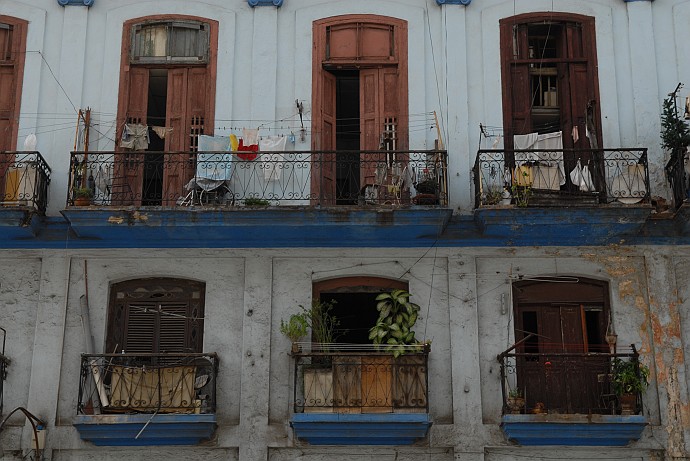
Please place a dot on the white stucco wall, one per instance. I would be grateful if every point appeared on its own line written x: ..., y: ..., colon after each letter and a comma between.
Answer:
x: 264, y: 64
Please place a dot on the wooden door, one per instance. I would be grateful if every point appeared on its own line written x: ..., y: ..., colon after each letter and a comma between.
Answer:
x: 127, y: 185
x: 176, y: 165
x: 324, y: 164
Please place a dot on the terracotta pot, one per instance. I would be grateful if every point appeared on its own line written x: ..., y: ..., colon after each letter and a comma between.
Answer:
x: 628, y: 404
x: 82, y: 201
x: 516, y: 404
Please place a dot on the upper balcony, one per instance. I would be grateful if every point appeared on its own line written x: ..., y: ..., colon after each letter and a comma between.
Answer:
x: 354, y: 394
x: 527, y: 190
x: 219, y: 196
x: 24, y: 179
x: 147, y: 399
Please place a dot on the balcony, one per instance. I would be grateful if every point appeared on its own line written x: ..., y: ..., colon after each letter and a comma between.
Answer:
x: 147, y: 399
x: 355, y: 395
x: 567, y: 399
x: 589, y: 193
x: 304, y: 197
x: 24, y: 179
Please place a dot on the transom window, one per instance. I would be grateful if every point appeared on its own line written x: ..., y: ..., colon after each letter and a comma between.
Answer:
x: 170, y: 42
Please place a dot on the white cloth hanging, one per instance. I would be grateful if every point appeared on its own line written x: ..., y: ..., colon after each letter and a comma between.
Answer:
x: 273, y: 164
x: 250, y: 136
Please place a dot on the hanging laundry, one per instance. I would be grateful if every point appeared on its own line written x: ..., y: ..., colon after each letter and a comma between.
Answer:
x: 135, y: 136
x: 582, y: 178
x: 575, y: 134
x: 524, y: 141
x: 212, y: 163
x: 247, y: 152
x: 234, y: 143
x: 250, y: 136
x: 554, y: 143
x: 161, y: 131
x: 273, y: 164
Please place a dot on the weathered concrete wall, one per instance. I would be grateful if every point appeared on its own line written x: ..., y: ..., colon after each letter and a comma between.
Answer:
x: 249, y: 291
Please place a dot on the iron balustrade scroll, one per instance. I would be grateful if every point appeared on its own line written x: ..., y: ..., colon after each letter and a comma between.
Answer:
x: 4, y: 364
x: 561, y: 177
x: 361, y: 382
x: 562, y: 382
x: 148, y: 383
x: 24, y: 180
x: 222, y: 178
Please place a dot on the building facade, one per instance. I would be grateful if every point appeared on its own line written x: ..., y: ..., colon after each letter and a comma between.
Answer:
x: 241, y: 159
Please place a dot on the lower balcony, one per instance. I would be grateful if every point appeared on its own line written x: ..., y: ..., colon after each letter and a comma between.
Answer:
x: 563, y: 398
x: 147, y: 399
x: 354, y: 396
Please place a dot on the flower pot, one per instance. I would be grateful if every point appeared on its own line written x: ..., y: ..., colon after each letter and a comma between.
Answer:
x: 82, y: 201
x: 628, y: 404
x: 515, y: 404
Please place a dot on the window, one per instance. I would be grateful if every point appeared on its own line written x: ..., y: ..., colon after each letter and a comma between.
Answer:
x: 549, y: 76
x: 355, y: 303
x: 155, y: 316
x: 170, y: 42
x: 560, y: 325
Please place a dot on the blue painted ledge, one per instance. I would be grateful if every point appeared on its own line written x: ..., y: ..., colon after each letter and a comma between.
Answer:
x: 19, y: 223
x: 559, y: 226
x: 573, y: 430
x: 121, y: 430
x: 360, y: 429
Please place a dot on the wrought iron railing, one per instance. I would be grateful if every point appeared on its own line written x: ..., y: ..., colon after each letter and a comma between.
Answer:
x: 677, y: 177
x: 147, y: 383
x: 562, y: 382
x: 306, y: 178
x: 339, y: 379
x: 24, y: 179
x: 560, y: 177
x: 4, y: 363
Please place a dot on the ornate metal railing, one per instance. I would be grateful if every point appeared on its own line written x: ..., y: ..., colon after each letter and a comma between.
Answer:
x: 147, y: 383
x: 24, y: 179
x: 678, y: 178
x: 331, y: 380
x: 306, y: 178
x: 4, y: 363
x: 562, y: 383
x: 561, y: 177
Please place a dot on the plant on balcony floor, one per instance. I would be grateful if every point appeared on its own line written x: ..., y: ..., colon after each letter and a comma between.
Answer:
x: 83, y: 196
x: 515, y: 401
x: 629, y: 379
x: 397, y: 316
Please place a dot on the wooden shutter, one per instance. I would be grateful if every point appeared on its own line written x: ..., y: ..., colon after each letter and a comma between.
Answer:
x: 176, y: 165
x: 12, y: 55
x: 324, y: 165
x: 156, y: 315
x: 129, y: 165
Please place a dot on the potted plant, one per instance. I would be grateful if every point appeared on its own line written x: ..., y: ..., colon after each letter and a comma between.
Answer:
x: 393, y: 330
x: 515, y: 401
x: 317, y: 375
x: 83, y: 196
x: 629, y: 379
x: 397, y: 316
x: 294, y: 329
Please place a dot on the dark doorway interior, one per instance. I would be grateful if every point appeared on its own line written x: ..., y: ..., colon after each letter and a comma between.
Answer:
x: 357, y: 314
x: 152, y: 194
x: 347, y: 136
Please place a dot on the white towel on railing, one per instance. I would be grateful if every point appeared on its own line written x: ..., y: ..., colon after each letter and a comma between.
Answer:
x: 273, y: 164
x: 552, y: 142
x: 211, y: 163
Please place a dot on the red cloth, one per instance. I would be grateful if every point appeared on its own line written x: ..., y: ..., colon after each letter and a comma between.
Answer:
x: 251, y: 149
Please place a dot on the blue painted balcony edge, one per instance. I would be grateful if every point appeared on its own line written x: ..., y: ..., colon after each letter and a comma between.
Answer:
x: 573, y: 430
x: 361, y: 429
x: 122, y: 430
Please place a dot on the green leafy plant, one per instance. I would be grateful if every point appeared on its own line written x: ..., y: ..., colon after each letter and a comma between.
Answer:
x: 494, y: 195
x: 629, y: 377
x: 515, y: 393
x: 83, y: 192
x: 675, y: 134
x: 397, y: 316
x: 256, y: 202
x: 295, y: 328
